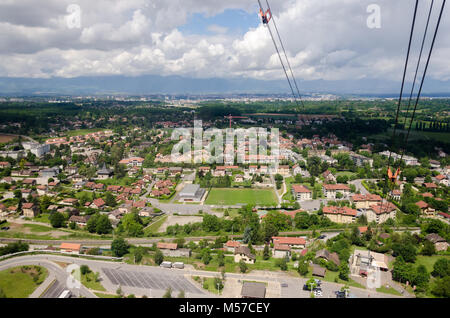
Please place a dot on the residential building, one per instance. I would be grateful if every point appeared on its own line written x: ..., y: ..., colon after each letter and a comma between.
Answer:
x: 381, y: 212
x: 29, y: 210
x: 364, y: 201
x: 425, y: 208
x: 292, y: 242
x: 243, y: 253
x: 439, y: 243
x: 340, y: 214
x: 330, y: 190
x: 301, y: 192
x: 70, y: 248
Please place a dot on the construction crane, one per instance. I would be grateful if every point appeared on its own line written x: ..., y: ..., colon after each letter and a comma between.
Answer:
x: 231, y: 117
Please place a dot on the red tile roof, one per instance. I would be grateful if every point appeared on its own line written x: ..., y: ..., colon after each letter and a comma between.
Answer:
x: 339, y: 210
x: 298, y: 188
x: 288, y: 240
x: 338, y: 186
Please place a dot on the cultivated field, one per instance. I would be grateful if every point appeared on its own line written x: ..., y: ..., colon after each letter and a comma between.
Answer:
x: 241, y: 196
x: 6, y: 138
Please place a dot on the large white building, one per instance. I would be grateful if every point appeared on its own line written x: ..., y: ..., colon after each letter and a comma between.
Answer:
x: 36, y: 149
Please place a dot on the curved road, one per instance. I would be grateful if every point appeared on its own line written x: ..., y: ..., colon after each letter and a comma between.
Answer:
x: 55, y: 272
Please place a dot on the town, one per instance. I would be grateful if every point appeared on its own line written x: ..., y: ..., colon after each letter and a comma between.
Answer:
x: 324, y: 222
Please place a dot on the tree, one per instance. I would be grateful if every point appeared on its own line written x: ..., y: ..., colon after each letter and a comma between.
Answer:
x: 282, y: 263
x: 266, y: 253
x: 119, y: 247
x: 211, y: 223
x: 220, y: 258
x: 57, y: 219
x: 110, y: 200
x: 441, y: 268
x: 428, y: 248
x: 84, y: 269
x: 243, y: 266
x: 442, y: 287
x: 344, y: 271
x: 181, y: 294
x: 303, y: 267
x: 206, y: 256
x: 138, y: 254
x: 158, y: 257
x: 103, y: 225
x: 422, y: 277
x: 407, y: 251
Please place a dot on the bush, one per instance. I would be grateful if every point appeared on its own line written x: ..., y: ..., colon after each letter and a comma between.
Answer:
x: 159, y: 257
x: 119, y: 247
x: 84, y: 269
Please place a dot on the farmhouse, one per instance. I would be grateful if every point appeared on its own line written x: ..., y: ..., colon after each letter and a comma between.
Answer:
x: 243, y: 253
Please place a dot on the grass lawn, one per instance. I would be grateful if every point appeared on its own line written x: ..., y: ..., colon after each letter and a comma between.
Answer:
x: 345, y: 173
x: 428, y: 261
x: 88, y: 280
x: 82, y: 132
x: 244, y: 196
x: 390, y: 290
x: 101, y: 295
x: 38, y: 228
x: 20, y: 282
x: 43, y: 218
x: 155, y: 225
x: 209, y: 283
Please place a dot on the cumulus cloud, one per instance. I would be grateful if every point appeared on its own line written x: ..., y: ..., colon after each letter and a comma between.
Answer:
x: 324, y: 39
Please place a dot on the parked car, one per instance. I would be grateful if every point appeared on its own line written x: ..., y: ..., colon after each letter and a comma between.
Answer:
x: 5, y: 228
x: 322, y: 237
x: 166, y: 264
x: 306, y: 287
x: 340, y: 294
x: 318, y: 281
x: 284, y: 285
x: 318, y: 293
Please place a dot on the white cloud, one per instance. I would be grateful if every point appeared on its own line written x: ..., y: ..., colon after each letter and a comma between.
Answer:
x: 325, y: 39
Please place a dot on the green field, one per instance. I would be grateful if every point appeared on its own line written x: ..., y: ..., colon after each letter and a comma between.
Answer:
x: 241, y: 196
x: 18, y: 282
x: 428, y: 261
x: 82, y: 132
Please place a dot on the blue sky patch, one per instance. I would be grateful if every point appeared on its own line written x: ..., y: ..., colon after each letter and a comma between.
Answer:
x: 232, y: 22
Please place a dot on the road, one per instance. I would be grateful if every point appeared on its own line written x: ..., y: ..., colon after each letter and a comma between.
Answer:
x: 55, y: 272
x: 153, y: 281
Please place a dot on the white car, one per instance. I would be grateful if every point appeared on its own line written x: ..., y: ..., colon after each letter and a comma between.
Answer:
x: 318, y: 293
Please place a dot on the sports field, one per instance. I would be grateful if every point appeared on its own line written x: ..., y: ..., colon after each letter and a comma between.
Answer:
x: 241, y: 196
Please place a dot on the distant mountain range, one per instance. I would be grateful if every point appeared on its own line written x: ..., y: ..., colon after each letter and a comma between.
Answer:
x: 154, y: 84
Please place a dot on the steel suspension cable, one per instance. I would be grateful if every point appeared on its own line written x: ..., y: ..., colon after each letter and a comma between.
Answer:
x: 418, y: 64
x: 289, y: 64
x: 279, y: 56
x: 424, y: 74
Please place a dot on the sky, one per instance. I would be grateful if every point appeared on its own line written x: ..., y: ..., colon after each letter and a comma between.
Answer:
x: 324, y: 39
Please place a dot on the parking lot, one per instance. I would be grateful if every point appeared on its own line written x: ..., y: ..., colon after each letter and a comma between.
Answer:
x: 150, y: 281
